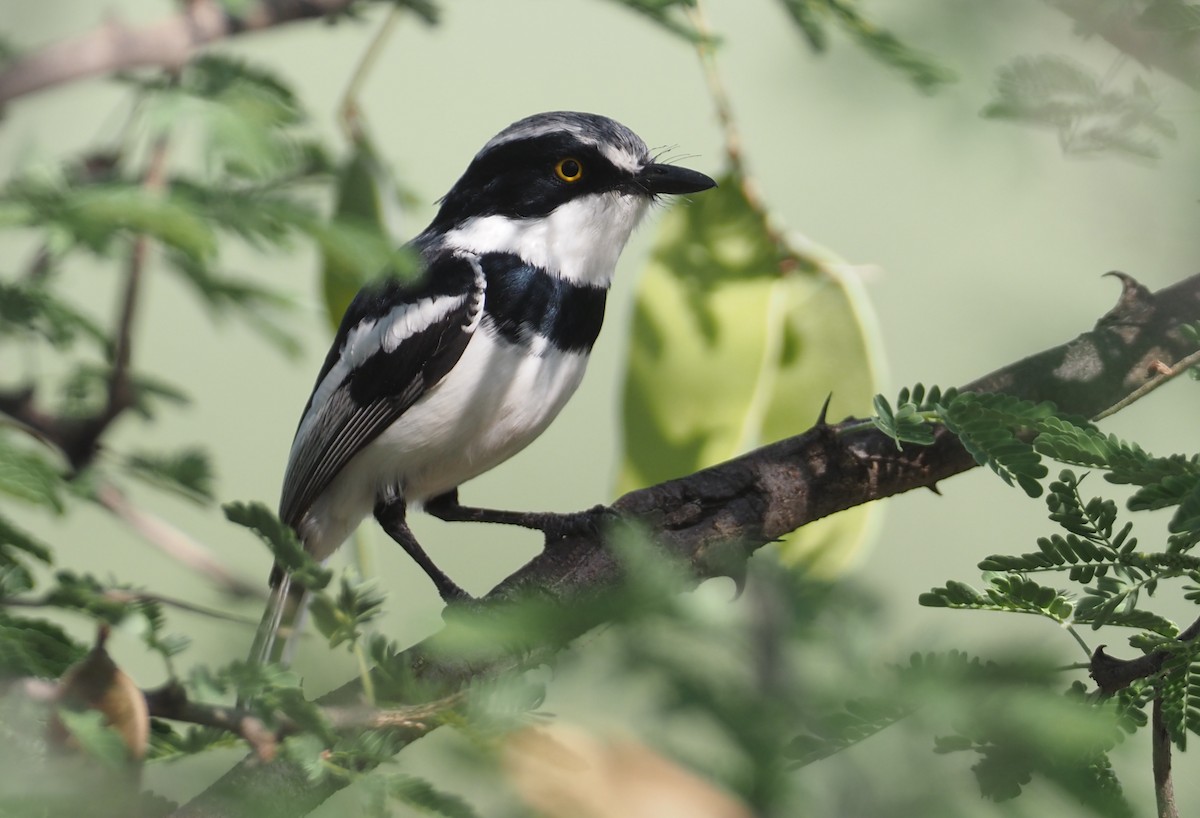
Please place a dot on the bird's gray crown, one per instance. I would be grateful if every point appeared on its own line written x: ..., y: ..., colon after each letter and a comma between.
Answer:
x: 621, y: 146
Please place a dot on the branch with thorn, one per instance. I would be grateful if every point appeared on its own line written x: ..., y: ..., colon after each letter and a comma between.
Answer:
x: 711, y: 522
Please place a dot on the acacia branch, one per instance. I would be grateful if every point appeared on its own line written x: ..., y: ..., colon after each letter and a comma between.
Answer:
x: 171, y: 702
x: 168, y: 43
x: 711, y: 521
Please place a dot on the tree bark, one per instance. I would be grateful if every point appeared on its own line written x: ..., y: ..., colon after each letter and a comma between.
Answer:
x: 710, y: 522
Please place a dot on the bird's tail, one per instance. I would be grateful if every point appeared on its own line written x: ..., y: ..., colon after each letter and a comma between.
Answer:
x: 284, y: 615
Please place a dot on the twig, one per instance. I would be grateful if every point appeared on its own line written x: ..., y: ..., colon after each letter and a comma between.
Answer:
x: 1160, y: 738
x: 120, y: 389
x: 122, y: 596
x: 706, y: 50
x: 414, y: 717
x: 171, y: 702
x: 349, y: 114
x: 79, y: 438
x: 171, y: 541
x: 1161, y: 376
x: 168, y: 43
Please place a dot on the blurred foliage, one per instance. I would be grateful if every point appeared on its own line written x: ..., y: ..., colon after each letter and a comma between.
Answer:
x: 1088, y: 114
x: 765, y: 696
x: 814, y: 18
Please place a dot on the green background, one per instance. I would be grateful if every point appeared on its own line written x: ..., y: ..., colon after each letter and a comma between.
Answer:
x: 978, y: 240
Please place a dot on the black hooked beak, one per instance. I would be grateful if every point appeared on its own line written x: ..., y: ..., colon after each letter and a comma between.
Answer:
x: 655, y: 179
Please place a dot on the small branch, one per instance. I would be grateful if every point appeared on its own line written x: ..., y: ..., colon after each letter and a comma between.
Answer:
x: 79, y: 438
x: 1163, y: 374
x: 706, y: 50
x: 349, y: 113
x: 1160, y: 737
x: 124, y: 597
x: 420, y: 717
x: 171, y: 702
x: 168, y: 43
x: 174, y: 543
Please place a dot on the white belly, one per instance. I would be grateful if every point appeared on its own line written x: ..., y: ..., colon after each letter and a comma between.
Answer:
x: 492, y: 404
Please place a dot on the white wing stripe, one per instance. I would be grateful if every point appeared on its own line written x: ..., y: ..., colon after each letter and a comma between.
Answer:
x: 371, y: 337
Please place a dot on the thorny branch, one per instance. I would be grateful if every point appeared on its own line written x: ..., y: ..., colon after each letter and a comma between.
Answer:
x: 1112, y: 674
x: 713, y: 520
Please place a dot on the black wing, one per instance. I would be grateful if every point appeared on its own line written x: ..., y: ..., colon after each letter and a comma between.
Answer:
x: 395, y: 342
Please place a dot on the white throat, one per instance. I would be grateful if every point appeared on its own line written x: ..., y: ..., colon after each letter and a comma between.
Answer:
x: 580, y: 241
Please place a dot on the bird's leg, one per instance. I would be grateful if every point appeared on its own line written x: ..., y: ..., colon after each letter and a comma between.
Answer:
x: 554, y: 524
x: 391, y: 516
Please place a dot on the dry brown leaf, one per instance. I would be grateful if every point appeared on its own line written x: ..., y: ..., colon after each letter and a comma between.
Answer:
x: 95, y: 682
x: 565, y: 772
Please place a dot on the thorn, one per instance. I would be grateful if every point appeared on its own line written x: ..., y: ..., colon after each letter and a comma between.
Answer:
x: 1133, y: 304
x: 934, y: 488
x: 821, y: 418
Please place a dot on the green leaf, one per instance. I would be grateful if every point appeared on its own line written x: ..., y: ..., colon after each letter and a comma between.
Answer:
x: 282, y: 541
x: 187, y: 472
x: 367, y: 198
x: 1187, y: 518
x: 1008, y: 592
x: 341, y: 618
x: 835, y: 731
x: 12, y: 537
x: 249, y: 115
x: 308, y: 752
x: 27, y: 307
x: 262, y: 309
x: 666, y: 13
x: 991, y: 427
x: 35, y: 647
x: 26, y: 475
x: 93, y: 215
x: 814, y: 17
x: 99, y: 740
x: 811, y: 19
x: 922, y: 70
x: 358, y: 252
x: 424, y: 797
x: 738, y: 339
x: 908, y: 423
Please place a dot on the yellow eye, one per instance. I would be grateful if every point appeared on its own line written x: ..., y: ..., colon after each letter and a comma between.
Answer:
x: 569, y: 170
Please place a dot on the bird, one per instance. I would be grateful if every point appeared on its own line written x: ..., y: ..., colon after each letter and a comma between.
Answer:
x: 432, y: 381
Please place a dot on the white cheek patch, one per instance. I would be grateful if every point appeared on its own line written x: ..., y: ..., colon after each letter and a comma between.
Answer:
x: 580, y: 241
